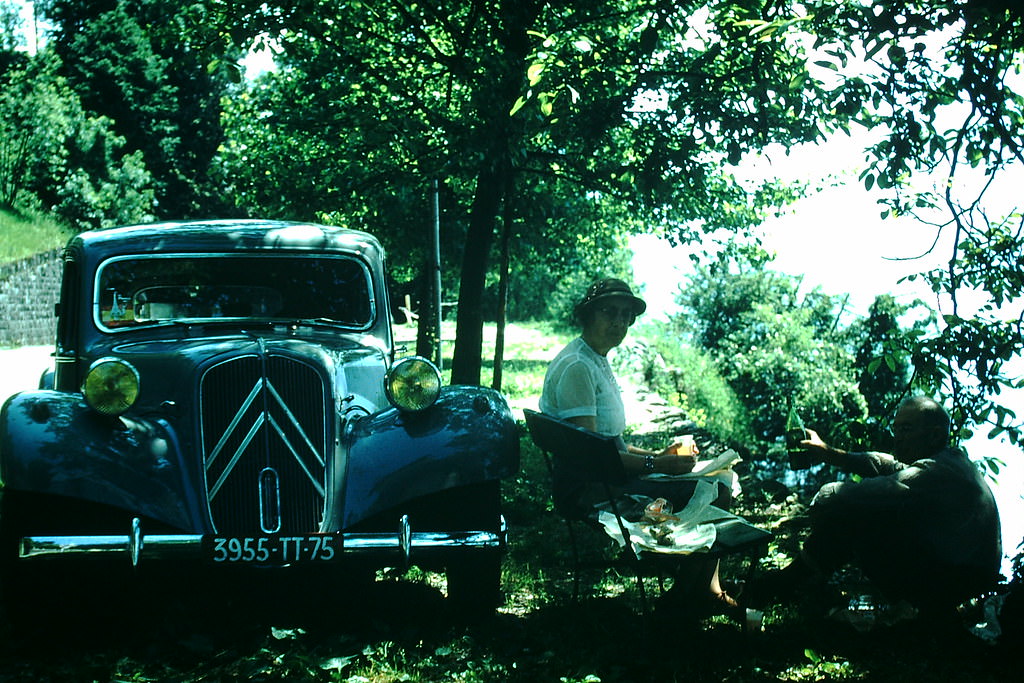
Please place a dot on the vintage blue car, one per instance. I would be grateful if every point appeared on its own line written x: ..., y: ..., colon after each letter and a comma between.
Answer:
x: 228, y: 394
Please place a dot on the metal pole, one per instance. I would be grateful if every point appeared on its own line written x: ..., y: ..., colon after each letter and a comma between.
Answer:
x: 437, y: 277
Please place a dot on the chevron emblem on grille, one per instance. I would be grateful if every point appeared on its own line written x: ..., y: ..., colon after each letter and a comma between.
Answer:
x: 276, y: 417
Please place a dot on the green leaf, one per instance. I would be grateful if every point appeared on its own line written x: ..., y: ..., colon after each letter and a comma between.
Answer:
x: 517, y: 106
x: 337, y: 664
x: 873, y: 49
x: 286, y: 633
x: 533, y: 73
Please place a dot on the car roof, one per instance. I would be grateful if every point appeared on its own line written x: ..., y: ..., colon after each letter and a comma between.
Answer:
x: 226, y: 236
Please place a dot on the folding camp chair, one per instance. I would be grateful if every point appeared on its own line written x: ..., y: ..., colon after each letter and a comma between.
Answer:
x: 594, y: 458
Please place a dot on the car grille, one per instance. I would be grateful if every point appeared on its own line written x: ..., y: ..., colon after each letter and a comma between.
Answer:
x: 264, y: 427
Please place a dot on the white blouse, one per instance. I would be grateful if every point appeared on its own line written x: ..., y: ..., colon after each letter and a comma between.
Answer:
x: 579, y: 383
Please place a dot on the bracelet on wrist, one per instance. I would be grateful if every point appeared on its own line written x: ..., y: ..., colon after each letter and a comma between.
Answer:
x: 648, y: 462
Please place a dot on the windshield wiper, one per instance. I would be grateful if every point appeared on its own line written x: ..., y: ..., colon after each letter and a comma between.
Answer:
x: 250, y: 323
x: 318, y: 322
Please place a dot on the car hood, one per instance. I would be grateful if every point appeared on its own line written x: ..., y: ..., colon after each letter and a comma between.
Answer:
x: 170, y: 370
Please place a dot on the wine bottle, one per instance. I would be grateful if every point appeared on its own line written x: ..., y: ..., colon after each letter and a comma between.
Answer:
x: 799, y: 458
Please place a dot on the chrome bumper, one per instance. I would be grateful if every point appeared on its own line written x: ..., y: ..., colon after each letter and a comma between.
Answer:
x: 136, y: 546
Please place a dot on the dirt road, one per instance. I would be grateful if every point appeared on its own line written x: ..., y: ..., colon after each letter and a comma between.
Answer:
x: 21, y: 368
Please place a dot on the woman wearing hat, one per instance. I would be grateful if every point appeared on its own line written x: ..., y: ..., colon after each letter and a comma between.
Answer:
x: 580, y: 387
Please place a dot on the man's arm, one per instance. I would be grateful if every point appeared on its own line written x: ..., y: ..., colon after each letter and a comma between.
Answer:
x: 870, y: 464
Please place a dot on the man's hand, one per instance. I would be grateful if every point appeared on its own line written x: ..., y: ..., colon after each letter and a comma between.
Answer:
x: 817, y: 448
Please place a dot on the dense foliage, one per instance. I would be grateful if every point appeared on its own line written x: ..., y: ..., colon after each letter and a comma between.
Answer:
x: 749, y: 348
x: 127, y: 62
x: 554, y: 130
x: 56, y: 155
x: 939, y: 86
x: 643, y: 104
x: 537, y: 116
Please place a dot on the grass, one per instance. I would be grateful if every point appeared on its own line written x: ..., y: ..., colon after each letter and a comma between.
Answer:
x: 24, y: 235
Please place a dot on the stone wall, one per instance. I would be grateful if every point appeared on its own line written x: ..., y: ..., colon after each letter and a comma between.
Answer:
x: 29, y: 290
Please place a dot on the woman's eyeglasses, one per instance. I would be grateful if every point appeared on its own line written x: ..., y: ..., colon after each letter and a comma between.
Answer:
x: 618, y: 313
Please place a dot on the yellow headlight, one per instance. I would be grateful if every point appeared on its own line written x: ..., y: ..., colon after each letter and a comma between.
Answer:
x: 111, y: 386
x: 413, y: 384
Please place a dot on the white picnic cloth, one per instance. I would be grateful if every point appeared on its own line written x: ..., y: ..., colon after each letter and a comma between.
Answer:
x: 691, y: 531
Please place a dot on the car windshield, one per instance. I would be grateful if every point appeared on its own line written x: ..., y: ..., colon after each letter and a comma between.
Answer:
x: 148, y: 290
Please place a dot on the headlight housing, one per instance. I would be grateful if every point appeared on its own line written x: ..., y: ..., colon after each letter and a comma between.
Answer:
x: 413, y: 384
x: 111, y: 386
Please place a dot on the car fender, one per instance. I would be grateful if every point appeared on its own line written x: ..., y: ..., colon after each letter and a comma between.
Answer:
x: 53, y: 443
x: 467, y: 437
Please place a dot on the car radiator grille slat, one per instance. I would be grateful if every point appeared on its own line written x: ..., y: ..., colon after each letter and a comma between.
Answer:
x: 264, y: 412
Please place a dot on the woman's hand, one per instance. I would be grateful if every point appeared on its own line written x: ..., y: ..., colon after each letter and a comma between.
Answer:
x: 674, y: 464
x: 666, y: 462
x: 677, y: 447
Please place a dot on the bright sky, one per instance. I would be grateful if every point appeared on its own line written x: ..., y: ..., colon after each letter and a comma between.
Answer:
x: 258, y: 62
x: 837, y: 240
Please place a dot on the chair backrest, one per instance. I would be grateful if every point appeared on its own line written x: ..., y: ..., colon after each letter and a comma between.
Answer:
x: 589, y: 456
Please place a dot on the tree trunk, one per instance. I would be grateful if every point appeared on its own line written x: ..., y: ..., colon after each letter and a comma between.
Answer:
x: 428, y: 332
x: 426, y: 322
x: 469, y: 332
x: 499, y: 332
x: 516, y: 17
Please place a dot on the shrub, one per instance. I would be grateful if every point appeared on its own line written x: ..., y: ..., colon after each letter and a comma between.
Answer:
x: 686, y: 377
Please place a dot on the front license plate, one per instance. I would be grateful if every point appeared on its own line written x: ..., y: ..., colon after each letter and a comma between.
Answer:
x: 272, y: 549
